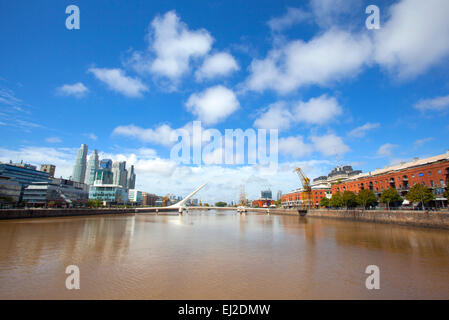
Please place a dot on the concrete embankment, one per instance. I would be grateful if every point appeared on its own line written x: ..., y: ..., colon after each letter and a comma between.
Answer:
x: 45, y: 213
x: 430, y: 219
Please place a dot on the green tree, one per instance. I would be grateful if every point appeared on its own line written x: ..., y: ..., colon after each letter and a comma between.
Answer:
x: 419, y: 193
x: 390, y: 195
x: 366, y: 197
x: 349, y: 199
x: 220, y: 204
x: 336, y: 200
x: 325, y: 202
x: 278, y: 203
x: 446, y: 194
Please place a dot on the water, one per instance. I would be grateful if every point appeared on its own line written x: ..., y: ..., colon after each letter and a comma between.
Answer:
x: 219, y: 255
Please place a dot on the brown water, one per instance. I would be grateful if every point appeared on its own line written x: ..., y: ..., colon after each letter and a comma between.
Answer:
x: 219, y: 256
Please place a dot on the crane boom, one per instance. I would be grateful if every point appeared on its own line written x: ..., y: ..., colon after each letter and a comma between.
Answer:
x: 306, y: 189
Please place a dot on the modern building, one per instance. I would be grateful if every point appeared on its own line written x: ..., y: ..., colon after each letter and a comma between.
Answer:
x: 79, y: 169
x: 279, y: 195
x: 149, y: 199
x: 49, y: 168
x: 58, y: 192
x: 10, y: 191
x: 120, y: 173
x: 109, y: 193
x: 23, y: 173
x: 103, y: 176
x: 266, y: 194
x: 92, y: 166
x: 106, y: 164
x: 135, y: 196
x: 131, y: 178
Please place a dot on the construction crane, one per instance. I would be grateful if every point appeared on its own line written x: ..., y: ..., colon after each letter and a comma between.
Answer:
x: 306, y: 189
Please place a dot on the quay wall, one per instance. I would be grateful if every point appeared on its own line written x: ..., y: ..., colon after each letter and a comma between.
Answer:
x: 70, y: 212
x: 429, y: 219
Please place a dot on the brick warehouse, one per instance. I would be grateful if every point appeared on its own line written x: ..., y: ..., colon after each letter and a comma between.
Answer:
x: 432, y: 172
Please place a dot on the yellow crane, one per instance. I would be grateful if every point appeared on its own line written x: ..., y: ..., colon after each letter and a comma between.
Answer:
x: 306, y: 189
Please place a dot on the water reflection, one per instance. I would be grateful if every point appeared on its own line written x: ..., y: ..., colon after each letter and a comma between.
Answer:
x: 219, y: 255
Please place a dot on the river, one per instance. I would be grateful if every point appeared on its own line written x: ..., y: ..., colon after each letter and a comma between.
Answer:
x: 219, y: 255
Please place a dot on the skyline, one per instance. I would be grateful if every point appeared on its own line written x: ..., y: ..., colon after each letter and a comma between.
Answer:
x: 338, y: 93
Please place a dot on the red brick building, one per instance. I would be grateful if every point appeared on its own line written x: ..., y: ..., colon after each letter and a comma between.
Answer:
x: 295, y: 198
x: 432, y: 172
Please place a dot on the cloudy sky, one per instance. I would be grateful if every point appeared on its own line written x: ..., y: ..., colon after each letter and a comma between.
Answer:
x: 134, y: 73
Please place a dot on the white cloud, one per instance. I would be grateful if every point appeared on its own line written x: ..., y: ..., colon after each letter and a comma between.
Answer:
x: 77, y: 90
x: 420, y: 142
x: 435, y: 104
x: 53, y: 140
x: 329, y: 12
x: 317, y: 110
x: 213, y: 105
x: 415, y: 38
x: 295, y: 147
x: 219, y: 64
x: 172, y: 46
x: 276, y: 117
x: 291, y: 17
x: 330, y: 145
x: 386, y: 150
x: 326, y: 58
x: 160, y: 135
x: 91, y: 136
x: 117, y: 81
x: 361, y: 131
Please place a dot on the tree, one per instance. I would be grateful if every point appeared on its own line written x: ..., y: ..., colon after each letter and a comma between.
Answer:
x: 366, y: 197
x: 94, y: 203
x: 349, y: 199
x: 278, y: 203
x: 390, y: 195
x: 419, y: 193
x: 336, y: 200
x: 446, y: 194
x: 220, y: 204
x: 325, y: 202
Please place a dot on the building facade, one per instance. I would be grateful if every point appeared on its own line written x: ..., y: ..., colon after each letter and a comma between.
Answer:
x: 106, y: 164
x: 79, y: 169
x: 135, y: 196
x: 131, y: 178
x: 431, y: 172
x: 92, y: 166
x: 109, y: 193
x: 49, y: 168
x: 58, y: 192
x: 120, y: 174
x: 10, y: 191
x: 23, y: 173
x: 103, y: 176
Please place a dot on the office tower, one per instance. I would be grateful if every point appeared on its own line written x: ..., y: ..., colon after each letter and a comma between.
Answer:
x: 106, y: 164
x: 49, y: 168
x: 120, y: 173
x: 79, y: 169
x: 279, y: 195
x: 92, y: 166
x: 131, y: 178
x: 103, y: 176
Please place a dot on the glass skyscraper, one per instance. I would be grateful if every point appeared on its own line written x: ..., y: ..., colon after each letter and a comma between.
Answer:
x: 106, y: 164
x: 131, y: 178
x: 79, y: 169
x: 92, y: 166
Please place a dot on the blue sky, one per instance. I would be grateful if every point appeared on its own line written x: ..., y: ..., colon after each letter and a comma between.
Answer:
x: 134, y: 72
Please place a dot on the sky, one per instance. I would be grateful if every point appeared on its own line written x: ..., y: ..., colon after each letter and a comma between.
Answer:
x: 134, y: 72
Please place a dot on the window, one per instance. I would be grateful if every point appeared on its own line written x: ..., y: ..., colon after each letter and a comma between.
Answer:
x: 413, y: 175
x: 430, y: 173
x: 431, y: 183
x: 439, y: 171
